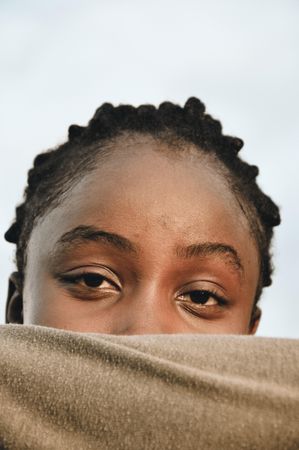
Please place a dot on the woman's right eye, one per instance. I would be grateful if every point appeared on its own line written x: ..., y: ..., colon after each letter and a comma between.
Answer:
x: 90, y: 280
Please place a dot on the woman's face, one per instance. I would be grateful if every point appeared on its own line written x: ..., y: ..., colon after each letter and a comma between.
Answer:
x: 147, y: 243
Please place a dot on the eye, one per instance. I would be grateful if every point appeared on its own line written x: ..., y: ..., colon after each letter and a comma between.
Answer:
x: 91, y: 280
x: 203, y: 298
x: 94, y: 280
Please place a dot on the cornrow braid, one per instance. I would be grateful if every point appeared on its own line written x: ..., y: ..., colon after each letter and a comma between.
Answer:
x: 56, y: 170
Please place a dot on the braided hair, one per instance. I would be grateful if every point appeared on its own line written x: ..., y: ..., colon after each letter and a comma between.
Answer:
x: 56, y: 170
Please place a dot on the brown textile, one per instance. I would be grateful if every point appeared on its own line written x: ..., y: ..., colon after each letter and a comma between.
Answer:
x: 67, y: 390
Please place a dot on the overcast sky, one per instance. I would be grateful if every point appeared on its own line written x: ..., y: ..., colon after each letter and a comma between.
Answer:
x: 61, y: 59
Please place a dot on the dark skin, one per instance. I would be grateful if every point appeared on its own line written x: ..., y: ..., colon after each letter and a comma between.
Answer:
x: 150, y: 242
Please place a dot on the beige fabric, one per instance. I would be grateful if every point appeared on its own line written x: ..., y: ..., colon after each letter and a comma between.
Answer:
x: 66, y: 390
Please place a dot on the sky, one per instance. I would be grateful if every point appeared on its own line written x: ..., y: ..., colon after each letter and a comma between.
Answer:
x: 60, y: 60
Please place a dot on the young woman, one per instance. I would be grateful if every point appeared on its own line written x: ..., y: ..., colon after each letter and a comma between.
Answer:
x: 144, y: 222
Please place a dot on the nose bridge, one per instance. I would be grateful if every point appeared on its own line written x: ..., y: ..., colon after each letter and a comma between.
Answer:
x: 147, y: 311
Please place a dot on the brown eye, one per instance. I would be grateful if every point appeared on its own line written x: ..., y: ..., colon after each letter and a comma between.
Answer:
x: 89, y: 280
x: 201, y: 297
x: 93, y: 279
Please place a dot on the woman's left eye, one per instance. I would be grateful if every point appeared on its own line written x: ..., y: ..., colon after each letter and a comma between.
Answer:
x: 203, y: 298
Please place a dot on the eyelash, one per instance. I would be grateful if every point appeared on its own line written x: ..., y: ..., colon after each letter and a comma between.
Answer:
x: 208, y: 293
x: 75, y: 279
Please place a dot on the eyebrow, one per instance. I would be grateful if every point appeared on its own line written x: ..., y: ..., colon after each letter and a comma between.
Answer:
x: 203, y: 249
x: 84, y: 233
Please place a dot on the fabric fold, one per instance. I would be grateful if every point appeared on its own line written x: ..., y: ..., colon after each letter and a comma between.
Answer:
x: 66, y: 390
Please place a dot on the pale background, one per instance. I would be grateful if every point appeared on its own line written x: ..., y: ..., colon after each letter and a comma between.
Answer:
x: 61, y: 59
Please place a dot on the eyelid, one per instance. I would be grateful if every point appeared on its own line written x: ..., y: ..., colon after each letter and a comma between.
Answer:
x: 80, y: 271
x: 222, y: 301
x: 209, y: 285
x: 77, y: 283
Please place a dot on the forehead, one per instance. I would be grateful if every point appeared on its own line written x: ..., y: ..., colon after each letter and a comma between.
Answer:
x: 163, y: 184
x: 156, y: 194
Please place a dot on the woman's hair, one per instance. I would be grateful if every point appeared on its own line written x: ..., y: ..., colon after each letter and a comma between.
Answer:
x: 56, y: 170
